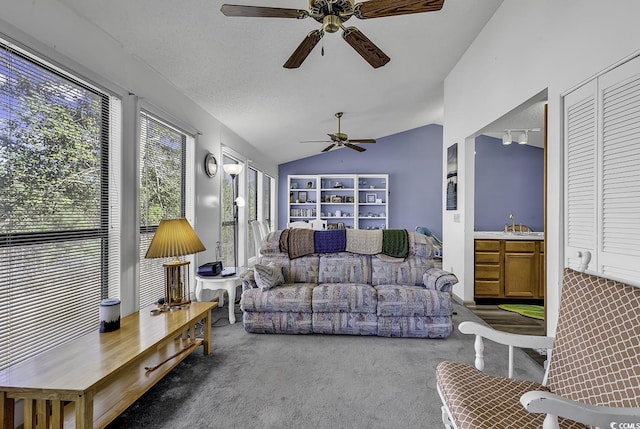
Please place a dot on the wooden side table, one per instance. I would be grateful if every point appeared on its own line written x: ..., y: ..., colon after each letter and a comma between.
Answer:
x: 221, y: 283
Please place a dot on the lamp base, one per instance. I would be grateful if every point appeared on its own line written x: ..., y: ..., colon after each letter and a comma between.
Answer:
x: 176, y: 289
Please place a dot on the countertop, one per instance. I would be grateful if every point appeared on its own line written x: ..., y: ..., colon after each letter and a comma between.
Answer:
x: 501, y: 235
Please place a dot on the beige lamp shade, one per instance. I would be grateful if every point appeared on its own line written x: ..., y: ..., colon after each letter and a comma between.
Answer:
x: 174, y: 237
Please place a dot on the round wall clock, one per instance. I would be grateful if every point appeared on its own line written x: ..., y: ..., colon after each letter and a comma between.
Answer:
x: 210, y: 165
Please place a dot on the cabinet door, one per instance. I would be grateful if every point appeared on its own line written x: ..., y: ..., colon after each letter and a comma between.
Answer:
x: 520, y: 269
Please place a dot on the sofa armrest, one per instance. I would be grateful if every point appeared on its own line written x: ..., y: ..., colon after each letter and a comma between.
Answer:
x: 556, y: 406
x: 437, y: 279
x: 512, y: 340
x: 248, y: 280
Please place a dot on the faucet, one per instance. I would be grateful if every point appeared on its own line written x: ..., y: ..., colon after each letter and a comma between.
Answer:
x: 513, y: 223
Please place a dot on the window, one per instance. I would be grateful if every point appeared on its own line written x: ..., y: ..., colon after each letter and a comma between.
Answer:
x: 162, y: 195
x: 252, y: 209
x: 57, y: 247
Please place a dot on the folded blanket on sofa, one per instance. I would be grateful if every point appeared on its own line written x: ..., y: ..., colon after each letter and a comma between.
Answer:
x: 364, y: 242
x: 395, y: 242
x: 300, y: 242
x: 330, y: 241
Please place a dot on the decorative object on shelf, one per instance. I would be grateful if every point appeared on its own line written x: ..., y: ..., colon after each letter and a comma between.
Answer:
x: 309, y: 184
x: 233, y: 170
x: 175, y: 238
x: 302, y: 196
x: 371, y: 198
x: 336, y: 199
x: 210, y: 165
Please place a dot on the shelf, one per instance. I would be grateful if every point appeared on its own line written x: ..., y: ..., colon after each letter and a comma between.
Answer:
x: 355, y: 187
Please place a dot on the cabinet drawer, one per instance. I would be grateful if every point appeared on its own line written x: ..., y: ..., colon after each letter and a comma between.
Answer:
x: 484, y: 245
x: 488, y: 257
x: 487, y: 272
x: 520, y: 246
x: 486, y: 288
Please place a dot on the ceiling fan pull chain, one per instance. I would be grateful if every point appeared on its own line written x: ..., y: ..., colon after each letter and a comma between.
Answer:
x: 322, y: 50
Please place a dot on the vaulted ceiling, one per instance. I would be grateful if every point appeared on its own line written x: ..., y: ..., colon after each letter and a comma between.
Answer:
x: 232, y: 66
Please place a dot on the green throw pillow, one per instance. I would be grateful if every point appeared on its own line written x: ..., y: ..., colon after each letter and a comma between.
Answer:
x: 267, y: 276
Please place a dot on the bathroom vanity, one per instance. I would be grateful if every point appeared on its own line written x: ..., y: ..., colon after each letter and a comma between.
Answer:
x: 509, y: 265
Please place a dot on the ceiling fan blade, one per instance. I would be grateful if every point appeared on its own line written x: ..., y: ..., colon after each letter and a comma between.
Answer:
x: 328, y: 148
x: 352, y: 146
x: 302, y: 52
x: 380, y: 8
x: 362, y: 140
x: 262, y: 12
x: 365, y: 47
x: 315, y: 141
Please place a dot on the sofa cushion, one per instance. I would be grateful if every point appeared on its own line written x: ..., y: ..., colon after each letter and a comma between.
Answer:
x: 288, y: 297
x: 407, y: 272
x: 267, y: 276
x: 409, y: 301
x: 344, y: 298
x: 344, y: 267
x: 480, y: 401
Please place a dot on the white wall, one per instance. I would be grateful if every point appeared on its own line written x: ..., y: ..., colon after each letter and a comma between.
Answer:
x: 56, y: 32
x: 526, y: 47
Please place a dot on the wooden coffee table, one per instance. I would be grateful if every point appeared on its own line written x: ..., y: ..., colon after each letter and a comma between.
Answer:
x: 89, y: 381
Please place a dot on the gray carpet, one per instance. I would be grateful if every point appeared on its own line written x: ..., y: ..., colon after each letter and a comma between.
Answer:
x: 310, y: 381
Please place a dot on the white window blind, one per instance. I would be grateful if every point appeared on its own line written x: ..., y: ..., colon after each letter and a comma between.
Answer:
x: 252, y: 209
x: 55, y: 177
x: 162, y: 195
x: 227, y: 220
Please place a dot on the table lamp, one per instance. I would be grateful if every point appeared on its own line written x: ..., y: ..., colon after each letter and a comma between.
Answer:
x: 175, y: 238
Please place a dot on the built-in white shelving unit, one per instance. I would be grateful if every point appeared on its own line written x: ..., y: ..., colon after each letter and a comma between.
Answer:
x: 357, y: 201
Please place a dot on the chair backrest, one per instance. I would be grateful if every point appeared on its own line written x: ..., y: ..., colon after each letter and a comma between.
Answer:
x: 318, y: 224
x: 258, y: 235
x: 596, y: 354
x: 300, y: 224
x: 264, y: 228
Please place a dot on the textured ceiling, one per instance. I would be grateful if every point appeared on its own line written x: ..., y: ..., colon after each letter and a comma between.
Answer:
x: 232, y: 67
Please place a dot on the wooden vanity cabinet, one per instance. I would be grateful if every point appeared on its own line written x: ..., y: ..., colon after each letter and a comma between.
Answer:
x: 509, y: 269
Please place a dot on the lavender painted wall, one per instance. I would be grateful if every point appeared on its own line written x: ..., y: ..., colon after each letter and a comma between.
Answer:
x: 413, y: 161
x: 509, y: 179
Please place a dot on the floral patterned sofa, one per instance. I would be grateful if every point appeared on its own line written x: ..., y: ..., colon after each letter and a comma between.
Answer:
x: 352, y: 282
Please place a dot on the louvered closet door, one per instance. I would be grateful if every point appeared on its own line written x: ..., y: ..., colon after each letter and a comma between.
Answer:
x: 619, y: 203
x: 581, y: 173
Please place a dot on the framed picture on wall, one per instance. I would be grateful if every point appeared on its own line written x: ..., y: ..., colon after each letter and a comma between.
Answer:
x: 452, y: 177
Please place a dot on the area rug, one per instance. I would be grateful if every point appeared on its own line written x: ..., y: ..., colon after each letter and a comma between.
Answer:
x: 266, y: 381
x: 533, y: 311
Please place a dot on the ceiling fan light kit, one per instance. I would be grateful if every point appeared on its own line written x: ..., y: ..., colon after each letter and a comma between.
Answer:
x: 332, y: 14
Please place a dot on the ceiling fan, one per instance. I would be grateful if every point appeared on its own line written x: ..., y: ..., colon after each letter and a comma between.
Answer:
x: 332, y: 14
x: 341, y: 139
